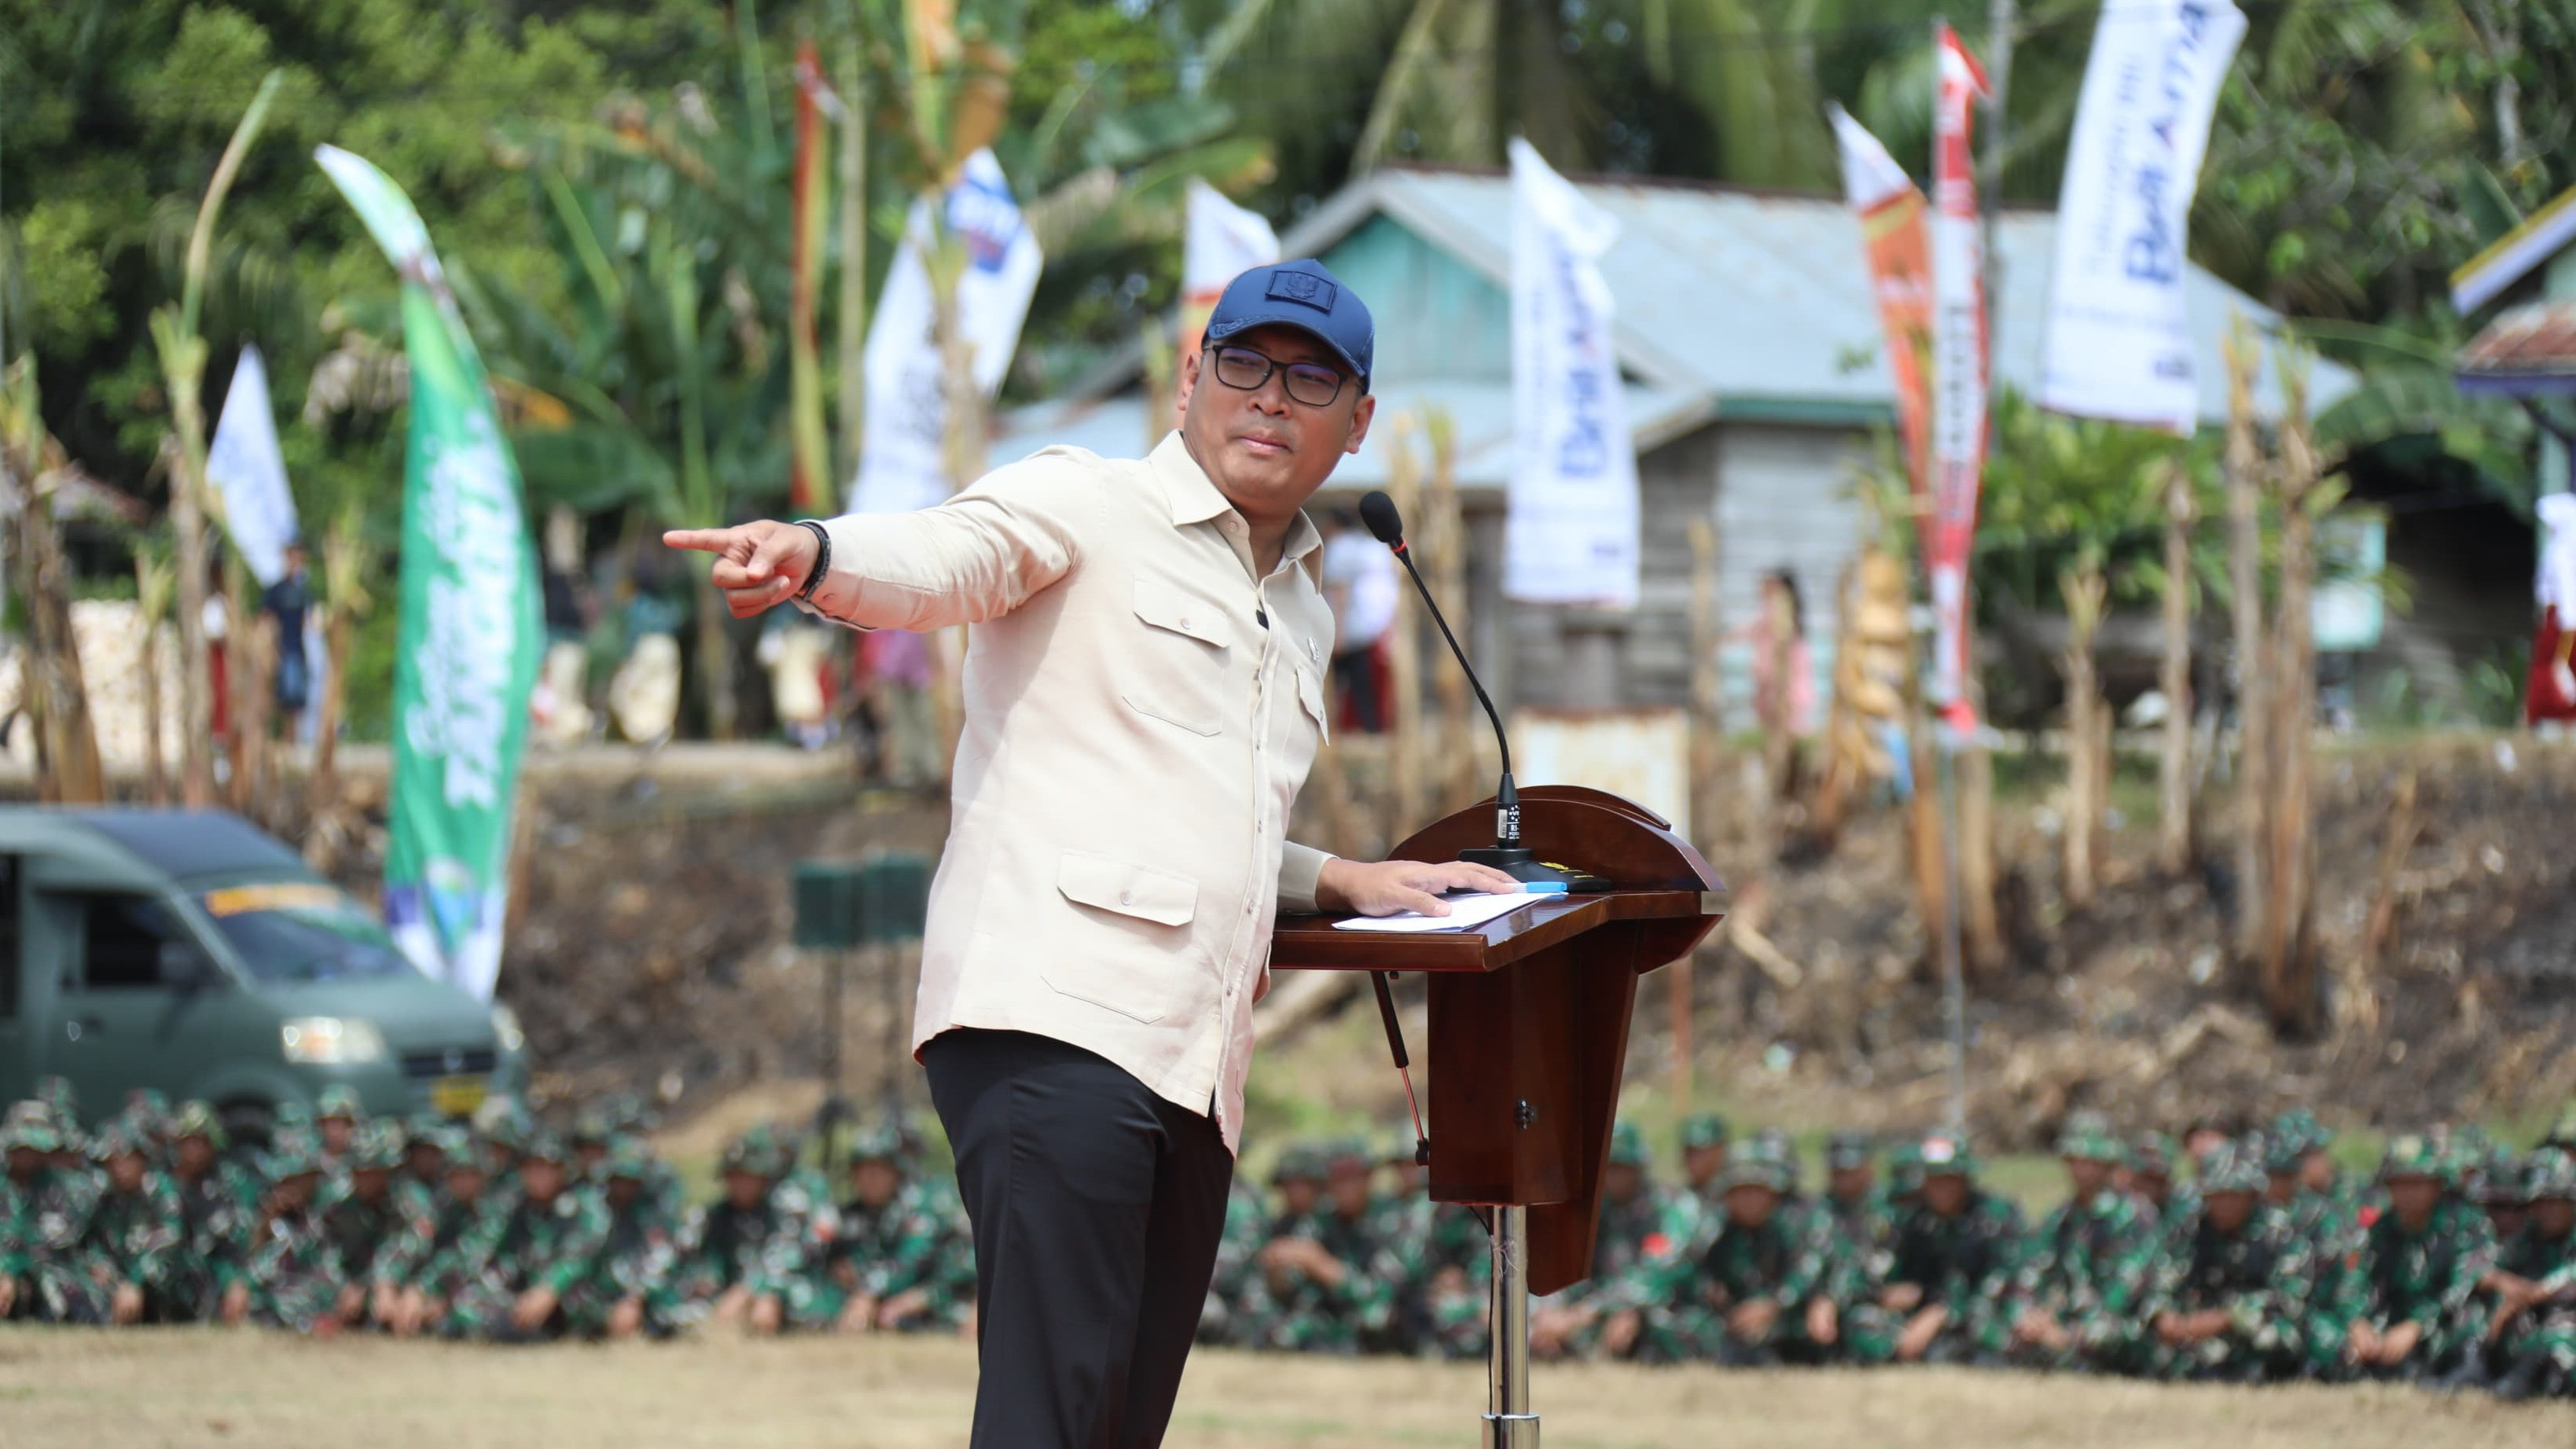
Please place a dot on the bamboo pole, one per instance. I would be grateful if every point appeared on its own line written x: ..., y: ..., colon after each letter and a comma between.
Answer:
x: 1459, y: 783
x: 1707, y: 719
x: 2247, y: 669
x: 183, y: 367
x: 1983, y: 927
x: 1404, y: 647
x: 152, y: 584
x: 2173, y: 762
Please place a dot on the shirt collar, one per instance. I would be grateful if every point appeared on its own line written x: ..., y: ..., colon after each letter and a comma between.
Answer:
x: 1195, y: 499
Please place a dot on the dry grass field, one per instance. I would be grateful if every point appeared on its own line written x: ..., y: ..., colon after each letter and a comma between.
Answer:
x: 190, y: 1387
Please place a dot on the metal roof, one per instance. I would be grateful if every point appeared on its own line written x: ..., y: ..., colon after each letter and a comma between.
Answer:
x: 2514, y: 255
x: 2527, y: 352
x: 1762, y: 299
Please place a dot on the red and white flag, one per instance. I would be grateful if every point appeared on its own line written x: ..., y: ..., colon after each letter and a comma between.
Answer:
x: 1958, y: 374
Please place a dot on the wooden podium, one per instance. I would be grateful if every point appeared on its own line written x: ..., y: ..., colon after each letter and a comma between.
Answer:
x: 1529, y: 1033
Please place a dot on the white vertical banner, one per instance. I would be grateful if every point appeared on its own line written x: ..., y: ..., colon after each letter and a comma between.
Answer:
x: 249, y: 473
x: 902, y: 458
x: 1571, y: 533
x: 1223, y: 241
x: 2119, y: 336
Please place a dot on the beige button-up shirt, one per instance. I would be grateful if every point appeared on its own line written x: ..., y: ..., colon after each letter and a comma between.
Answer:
x: 1141, y: 708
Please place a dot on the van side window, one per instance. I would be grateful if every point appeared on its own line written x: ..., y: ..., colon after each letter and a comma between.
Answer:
x: 121, y: 940
x: 8, y: 937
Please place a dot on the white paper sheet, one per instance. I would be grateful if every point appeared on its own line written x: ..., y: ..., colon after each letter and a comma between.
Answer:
x: 1465, y: 913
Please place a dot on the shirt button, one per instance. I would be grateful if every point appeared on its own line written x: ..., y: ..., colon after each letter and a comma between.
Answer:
x: 1126, y: 898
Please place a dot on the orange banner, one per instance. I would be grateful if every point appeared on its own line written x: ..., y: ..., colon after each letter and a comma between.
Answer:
x: 1900, y: 274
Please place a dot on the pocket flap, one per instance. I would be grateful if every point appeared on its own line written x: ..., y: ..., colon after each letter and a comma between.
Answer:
x: 1169, y: 606
x: 1130, y: 890
x: 1310, y: 693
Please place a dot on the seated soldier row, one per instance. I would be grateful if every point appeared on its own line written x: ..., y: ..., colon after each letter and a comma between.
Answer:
x: 2456, y: 1266
x: 503, y: 1231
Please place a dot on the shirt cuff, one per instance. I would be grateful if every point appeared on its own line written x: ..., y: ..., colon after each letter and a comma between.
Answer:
x: 1300, y: 867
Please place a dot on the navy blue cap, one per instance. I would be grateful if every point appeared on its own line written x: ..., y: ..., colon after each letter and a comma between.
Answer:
x: 1299, y: 294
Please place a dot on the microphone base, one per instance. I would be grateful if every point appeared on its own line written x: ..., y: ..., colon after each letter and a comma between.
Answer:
x: 1517, y: 862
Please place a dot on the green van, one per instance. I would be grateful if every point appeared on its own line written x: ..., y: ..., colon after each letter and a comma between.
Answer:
x: 191, y: 952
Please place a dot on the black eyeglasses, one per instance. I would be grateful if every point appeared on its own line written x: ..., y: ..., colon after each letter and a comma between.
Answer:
x: 1310, y: 383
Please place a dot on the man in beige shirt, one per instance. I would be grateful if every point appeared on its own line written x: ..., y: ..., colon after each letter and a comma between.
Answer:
x: 1144, y: 693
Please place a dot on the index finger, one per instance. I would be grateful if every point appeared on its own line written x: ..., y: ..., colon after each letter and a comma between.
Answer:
x: 705, y: 540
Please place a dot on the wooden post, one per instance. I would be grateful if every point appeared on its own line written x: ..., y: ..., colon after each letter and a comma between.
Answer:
x: 1983, y: 928
x: 2288, y: 961
x: 2173, y: 762
x: 247, y: 677
x: 2247, y: 668
x: 1708, y: 703
x: 1404, y: 645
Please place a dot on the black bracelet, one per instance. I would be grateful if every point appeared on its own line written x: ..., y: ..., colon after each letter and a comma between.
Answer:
x: 822, y: 560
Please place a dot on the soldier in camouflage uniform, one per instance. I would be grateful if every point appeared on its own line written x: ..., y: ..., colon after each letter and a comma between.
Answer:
x: 430, y: 1265
x: 522, y: 1257
x: 137, y: 1244
x: 1953, y: 1251
x: 45, y: 1214
x: 2073, y: 1298
x: 2407, y: 1306
x: 1221, y: 1318
x: 1862, y: 1215
x: 2227, y: 1302
x: 2529, y: 1341
x: 1704, y: 1143
x: 628, y: 1290
x: 368, y: 1211
x: 1407, y: 1221
x: 896, y: 1263
x: 293, y: 1279
x: 338, y: 1117
x: 1646, y: 1227
x: 218, y: 1202
x: 2150, y: 1179
x: 1759, y: 1294
x: 740, y: 1256
x: 1327, y: 1279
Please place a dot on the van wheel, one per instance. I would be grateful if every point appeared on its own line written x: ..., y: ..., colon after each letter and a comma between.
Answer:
x: 248, y: 1124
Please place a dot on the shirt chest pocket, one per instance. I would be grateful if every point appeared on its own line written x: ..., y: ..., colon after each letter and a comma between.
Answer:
x: 1184, y: 658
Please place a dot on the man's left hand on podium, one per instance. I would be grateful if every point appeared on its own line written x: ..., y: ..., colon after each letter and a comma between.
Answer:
x: 1389, y: 887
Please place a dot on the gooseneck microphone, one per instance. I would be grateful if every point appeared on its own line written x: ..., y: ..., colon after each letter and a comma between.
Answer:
x: 1507, y: 854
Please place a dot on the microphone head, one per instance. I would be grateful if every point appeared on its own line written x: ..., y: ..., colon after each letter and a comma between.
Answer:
x: 1378, y: 512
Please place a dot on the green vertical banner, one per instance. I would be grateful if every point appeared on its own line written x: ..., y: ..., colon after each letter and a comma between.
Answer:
x: 471, y: 630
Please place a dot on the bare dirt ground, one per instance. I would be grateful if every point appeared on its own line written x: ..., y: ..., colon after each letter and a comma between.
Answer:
x: 192, y: 1387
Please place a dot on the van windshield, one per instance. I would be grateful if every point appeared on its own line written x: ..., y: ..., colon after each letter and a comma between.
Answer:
x: 302, y: 931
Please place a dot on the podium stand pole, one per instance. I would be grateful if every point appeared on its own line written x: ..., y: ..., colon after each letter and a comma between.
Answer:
x: 1509, y: 1424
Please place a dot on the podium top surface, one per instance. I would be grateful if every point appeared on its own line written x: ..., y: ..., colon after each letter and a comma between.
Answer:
x: 1309, y: 943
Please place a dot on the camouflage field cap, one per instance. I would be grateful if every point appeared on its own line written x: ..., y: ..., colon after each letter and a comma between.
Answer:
x: 1905, y: 1166
x: 545, y: 1146
x: 1752, y: 1172
x: 2231, y: 1168
x: 198, y: 1119
x: 1847, y: 1150
x: 1298, y: 1162
x: 2087, y: 1136
x: 2153, y: 1153
x: 339, y: 1100
x: 290, y: 1155
x: 627, y: 1158
x: 2549, y: 1173
x: 1948, y: 1156
x: 2298, y: 1133
x: 379, y: 1147
x: 33, y: 1132
x: 119, y: 1138
x: 757, y: 1152
x: 878, y: 1143
x: 1704, y: 1129
x: 2281, y: 1156
x: 1627, y: 1146
x: 2412, y: 1156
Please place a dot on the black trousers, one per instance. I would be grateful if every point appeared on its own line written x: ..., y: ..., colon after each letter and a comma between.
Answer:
x: 1097, y: 1207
